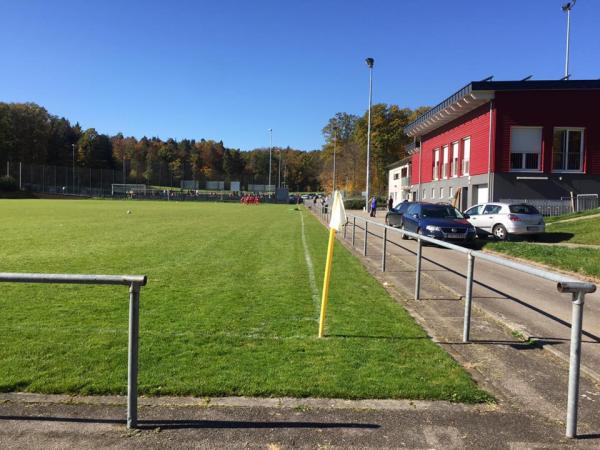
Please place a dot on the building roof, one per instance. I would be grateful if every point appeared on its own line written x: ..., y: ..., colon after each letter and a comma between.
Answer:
x: 401, y: 162
x: 477, y: 93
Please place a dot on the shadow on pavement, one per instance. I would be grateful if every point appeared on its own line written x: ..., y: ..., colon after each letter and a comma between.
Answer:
x: 179, y: 424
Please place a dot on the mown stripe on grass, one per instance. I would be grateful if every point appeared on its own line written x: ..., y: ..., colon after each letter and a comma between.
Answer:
x: 311, y: 270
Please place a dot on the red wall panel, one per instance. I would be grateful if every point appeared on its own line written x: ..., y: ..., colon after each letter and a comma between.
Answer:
x: 548, y: 109
x: 475, y: 125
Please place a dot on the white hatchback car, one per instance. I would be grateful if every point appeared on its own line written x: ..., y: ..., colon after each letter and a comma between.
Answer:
x: 503, y: 219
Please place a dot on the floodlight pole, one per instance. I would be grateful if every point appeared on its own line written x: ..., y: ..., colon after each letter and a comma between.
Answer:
x: 279, y: 169
x: 370, y: 62
x: 73, y: 148
x: 567, y: 7
x: 334, y: 145
x: 270, y: 150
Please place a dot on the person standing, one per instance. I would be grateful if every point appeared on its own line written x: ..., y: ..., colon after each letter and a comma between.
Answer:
x: 390, y: 204
x: 373, y: 206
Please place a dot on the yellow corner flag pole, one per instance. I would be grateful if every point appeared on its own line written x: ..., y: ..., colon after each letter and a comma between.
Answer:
x: 325, y: 297
x: 338, y: 218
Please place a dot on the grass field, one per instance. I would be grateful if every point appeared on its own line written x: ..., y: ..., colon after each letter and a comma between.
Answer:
x: 228, y: 309
x: 585, y: 261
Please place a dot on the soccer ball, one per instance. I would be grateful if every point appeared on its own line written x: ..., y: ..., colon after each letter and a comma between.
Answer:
x: 128, y: 211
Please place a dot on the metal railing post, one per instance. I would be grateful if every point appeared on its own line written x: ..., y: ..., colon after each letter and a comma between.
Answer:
x: 574, y: 363
x: 366, y: 237
x: 132, y: 357
x: 353, y: 230
x: 468, y: 298
x: 384, y: 248
x: 418, y: 274
x: 345, y: 226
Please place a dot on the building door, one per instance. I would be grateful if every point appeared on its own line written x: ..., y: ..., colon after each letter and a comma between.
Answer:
x: 481, y: 193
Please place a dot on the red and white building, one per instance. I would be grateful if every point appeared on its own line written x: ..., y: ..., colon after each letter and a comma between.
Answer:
x: 498, y: 140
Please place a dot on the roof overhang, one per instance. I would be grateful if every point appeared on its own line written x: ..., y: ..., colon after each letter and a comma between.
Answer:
x: 454, y: 107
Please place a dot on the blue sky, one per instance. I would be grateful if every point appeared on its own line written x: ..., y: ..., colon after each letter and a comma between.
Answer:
x: 232, y: 69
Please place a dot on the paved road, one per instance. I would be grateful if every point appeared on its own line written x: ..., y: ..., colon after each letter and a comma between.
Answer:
x: 522, y: 301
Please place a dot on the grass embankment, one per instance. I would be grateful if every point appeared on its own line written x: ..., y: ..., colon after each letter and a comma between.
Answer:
x: 585, y: 261
x: 228, y: 309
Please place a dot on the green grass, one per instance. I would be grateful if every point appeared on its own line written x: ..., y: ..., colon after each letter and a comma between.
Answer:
x: 585, y: 261
x: 588, y: 212
x: 578, y: 232
x: 227, y: 309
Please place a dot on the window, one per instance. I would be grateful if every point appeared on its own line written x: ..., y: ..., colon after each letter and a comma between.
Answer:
x: 432, y: 192
x: 466, y: 156
x: 450, y: 192
x: 436, y: 163
x: 454, y: 160
x: 396, y: 176
x: 492, y: 209
x: 525, y: 148
x: 567, y: 150
x: 475, y: 210
x: 445, y: 166
x: 441, y: 193
x: 424, y: 194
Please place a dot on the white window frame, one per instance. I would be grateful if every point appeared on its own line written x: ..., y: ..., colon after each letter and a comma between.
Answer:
x: 466, y: 157
x: 539, y: 167
x: 436, y: 164
x: 445, y: 162
x: 581, y: 149
x: 450, y: 192
x: 441, y: 193
x: 424, y: 194
x: 454, y: 165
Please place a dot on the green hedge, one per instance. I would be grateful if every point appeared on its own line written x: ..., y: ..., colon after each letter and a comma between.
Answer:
x: 359, y: 203
x: 8, y: 183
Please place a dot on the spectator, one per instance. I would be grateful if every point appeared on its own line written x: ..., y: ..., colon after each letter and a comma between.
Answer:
x: 373, y: 206
x: 390, y: 204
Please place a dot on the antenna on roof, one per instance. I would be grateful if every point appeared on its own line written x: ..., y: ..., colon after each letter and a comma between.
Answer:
x: 527, y: 78
x: 488, y: 78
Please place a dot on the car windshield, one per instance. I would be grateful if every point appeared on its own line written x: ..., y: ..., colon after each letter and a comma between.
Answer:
x: 523, y: 209
x: 441, y: 212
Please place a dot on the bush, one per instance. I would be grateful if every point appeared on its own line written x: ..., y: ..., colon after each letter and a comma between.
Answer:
x: 359, y: 203
x: 8, y: 183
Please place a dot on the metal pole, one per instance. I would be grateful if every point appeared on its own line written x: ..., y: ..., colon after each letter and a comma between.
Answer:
x: 578, y: 300
x: 279, y: 169
x: 366, y: 237
x: 370, y: 63
x: 418, y: 275
x: 353, y: 230
x: 270, y: 150
x: 132, y: 369
x: 73, y: 148
x: 345, y: 226
x: 20, y: 176
x: 468, y: 298
x: 568, y: 39
x: 334, y: 144
x: 384, y: 249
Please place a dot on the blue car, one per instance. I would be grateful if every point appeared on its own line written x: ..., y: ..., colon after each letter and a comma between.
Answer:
x: 438, y: 221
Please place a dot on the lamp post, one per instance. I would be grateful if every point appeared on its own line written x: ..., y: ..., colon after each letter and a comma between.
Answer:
x: 370, y: 62
x: 73, y: 148
x: 567, y: 7
x: 279, y: 169
x: 334, y: 145
x: 270, y: 150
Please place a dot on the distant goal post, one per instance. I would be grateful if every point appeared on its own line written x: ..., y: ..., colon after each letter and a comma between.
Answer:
x: 128, y: 189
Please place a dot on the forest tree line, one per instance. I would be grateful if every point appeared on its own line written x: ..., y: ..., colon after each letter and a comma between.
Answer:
x: 29, y: 134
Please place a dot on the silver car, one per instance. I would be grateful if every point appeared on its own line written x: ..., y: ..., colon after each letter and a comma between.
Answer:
x: 504, y: 219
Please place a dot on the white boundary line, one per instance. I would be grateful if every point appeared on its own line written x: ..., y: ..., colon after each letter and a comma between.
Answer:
x: 311, y: 270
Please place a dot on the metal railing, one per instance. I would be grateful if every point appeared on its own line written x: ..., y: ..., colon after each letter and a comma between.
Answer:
x: 564, y: 284
x: 135, y: 282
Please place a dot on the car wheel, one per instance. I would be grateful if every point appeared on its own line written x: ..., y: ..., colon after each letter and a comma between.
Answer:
x: 404, y: 236
x: 499, y: 232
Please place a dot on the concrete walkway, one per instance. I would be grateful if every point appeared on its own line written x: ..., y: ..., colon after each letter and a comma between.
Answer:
x: 527, y: 304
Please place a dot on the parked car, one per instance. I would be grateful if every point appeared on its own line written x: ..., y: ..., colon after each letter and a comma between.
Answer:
x: 393, y: 217
x: 438, y: 221
x: 504, y: 219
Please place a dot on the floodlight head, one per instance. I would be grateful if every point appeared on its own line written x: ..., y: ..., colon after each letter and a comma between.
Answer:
x: 370, y: 62
x: 270, y: 130
x: 568, y: 6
